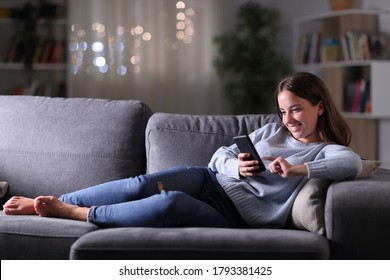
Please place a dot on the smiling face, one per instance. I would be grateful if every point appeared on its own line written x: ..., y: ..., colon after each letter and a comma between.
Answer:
x: 300, y: 116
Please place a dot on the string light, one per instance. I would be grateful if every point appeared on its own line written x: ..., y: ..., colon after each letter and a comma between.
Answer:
x: 184, y: 24
x: 109, y: 50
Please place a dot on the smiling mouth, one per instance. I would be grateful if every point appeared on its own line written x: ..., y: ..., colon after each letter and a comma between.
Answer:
x: 294, y: 127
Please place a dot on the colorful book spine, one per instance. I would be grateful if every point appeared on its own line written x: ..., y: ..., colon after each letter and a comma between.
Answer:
x: 357, y: 97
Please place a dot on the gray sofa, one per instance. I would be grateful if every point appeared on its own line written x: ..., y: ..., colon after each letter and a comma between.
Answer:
x: 54, y: 145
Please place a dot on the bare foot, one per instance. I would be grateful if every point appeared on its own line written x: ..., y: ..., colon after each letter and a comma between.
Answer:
x: 19, y: 205
x: 50, y: 206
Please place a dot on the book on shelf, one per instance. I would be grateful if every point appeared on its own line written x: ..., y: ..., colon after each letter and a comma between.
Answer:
x: 357, y: 96
x: 51, y: 89
x: 313, y: 48
x: 45, y: 51
x: 330, y: 50
x: 49, y: 51
x: 309, y: 50
x: 13, y: 50
x: 353, y: 46
x: 358, y: 45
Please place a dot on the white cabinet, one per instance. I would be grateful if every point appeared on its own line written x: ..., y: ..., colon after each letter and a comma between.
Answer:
x: 347, y: 50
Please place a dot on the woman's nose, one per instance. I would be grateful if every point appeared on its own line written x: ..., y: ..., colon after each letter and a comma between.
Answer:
x: 287, y: 117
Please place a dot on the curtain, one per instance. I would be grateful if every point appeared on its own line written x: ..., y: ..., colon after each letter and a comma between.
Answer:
x: 157, y: 51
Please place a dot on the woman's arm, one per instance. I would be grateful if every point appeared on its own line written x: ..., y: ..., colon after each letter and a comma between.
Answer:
x: 282, y: 167
x: 335, y: 162
x: 225, y: 161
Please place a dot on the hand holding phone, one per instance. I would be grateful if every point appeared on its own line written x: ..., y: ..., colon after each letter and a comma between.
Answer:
x: 245, y: 145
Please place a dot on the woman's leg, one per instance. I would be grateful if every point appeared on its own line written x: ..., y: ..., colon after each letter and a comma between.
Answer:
x: 148, y: 206
x: 189, y: 180
x: 168, y: 209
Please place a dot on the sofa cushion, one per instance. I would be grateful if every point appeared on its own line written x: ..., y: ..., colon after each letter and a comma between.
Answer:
x: 51, y: 146
x: 308, y: 208
x: 174, y: 139
x: 200, y: 243
x: 34, y: 237
x: 369, y: 168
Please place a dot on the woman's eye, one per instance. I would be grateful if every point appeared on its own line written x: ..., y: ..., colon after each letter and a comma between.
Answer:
x: 295, y: 110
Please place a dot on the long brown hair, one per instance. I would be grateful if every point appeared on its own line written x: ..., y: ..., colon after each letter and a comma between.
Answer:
x: 331, y: 125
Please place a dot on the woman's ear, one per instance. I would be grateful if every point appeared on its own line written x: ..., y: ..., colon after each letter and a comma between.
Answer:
x: 321, y: 108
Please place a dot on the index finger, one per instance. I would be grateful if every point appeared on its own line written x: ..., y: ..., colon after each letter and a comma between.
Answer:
x: 269, y: 158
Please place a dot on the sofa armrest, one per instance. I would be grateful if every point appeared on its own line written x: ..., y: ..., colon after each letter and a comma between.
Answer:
x: 357, y: 217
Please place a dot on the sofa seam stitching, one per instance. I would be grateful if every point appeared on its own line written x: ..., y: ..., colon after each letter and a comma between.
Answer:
x: 64, y: 154
x: 41, y: 235
x: 192, y: 130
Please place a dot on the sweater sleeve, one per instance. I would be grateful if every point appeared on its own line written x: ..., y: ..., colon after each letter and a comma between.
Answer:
x: 335, y: 162
x: 225, y: 161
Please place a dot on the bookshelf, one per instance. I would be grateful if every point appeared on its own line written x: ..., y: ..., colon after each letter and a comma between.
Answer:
x: 348, y: 51
x: 33, y: 63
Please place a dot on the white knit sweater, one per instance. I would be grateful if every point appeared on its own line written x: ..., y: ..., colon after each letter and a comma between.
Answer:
x: 266, y: 200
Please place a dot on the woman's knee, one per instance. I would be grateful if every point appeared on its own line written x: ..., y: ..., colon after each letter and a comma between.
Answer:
x: 181, y: 206
x: 173, y: 201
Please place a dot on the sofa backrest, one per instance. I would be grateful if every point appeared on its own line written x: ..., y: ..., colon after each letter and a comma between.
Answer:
x: 174, y: 139
x: 57, y: 145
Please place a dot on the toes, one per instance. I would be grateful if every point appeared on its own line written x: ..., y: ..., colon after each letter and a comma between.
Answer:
x: 41, y: 200
x: 10, y: 211
x: 39, y: 205
x: 10, y: 205
x: 43, y: 205
x: 11, y: 201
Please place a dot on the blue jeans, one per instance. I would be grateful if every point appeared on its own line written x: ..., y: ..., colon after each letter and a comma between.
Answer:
x: 177, y: 197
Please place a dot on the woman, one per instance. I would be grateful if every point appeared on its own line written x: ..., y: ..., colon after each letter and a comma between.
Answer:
x: 231, y: 192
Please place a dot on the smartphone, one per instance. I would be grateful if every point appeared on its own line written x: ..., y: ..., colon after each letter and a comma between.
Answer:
x: 245, y: 145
